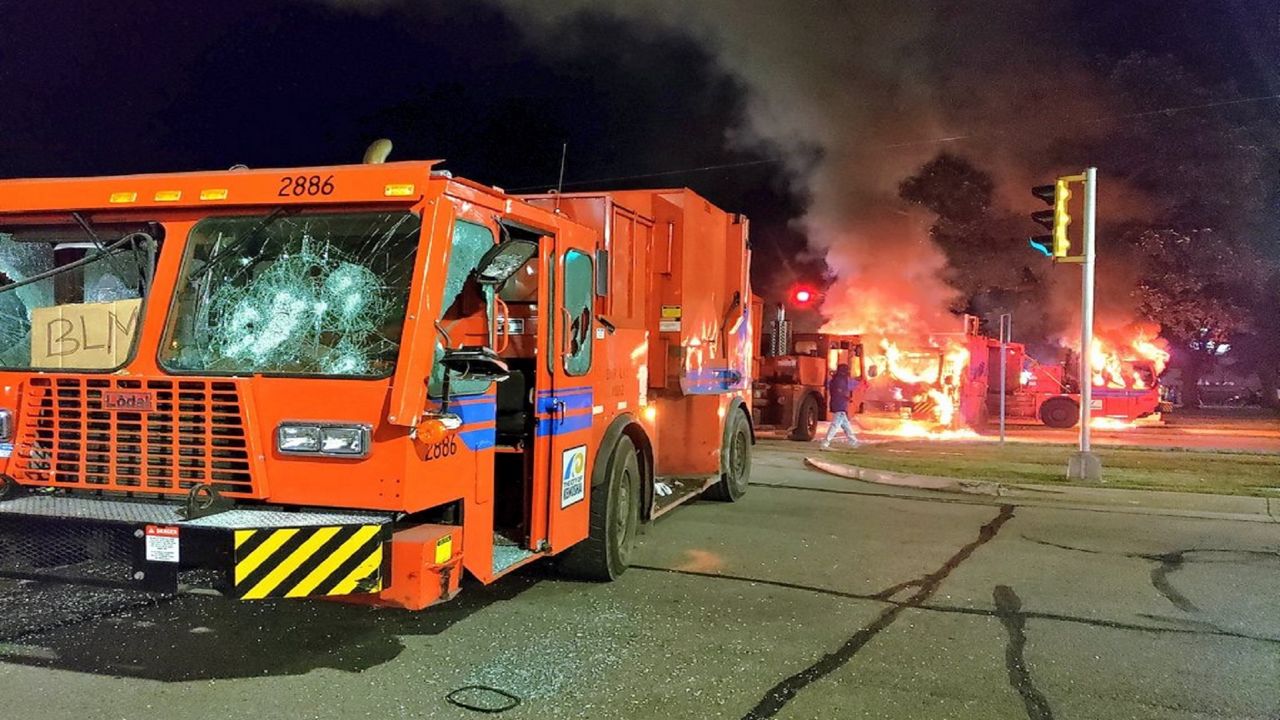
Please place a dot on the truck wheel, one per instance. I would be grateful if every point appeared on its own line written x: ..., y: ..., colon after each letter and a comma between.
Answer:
x: 735, y: 461
x: 806, y: 420
x: 1060, y: 412
x: 615, y: 519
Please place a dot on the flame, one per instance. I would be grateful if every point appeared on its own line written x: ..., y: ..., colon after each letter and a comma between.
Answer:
x: 1133, y: 362
x: 917, y: 430
x: 922, y: 379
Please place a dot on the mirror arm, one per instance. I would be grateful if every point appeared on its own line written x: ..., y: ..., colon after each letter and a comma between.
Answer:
x: 444, y: 392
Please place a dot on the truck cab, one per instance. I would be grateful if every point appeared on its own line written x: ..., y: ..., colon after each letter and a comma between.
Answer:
x: 359, y: 381
x: 791, y: 390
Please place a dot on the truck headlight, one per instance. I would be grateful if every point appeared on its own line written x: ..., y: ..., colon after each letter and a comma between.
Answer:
x: 298, y: 438
x: 326, y: 439
x: 6, y: 426
x: 343, y: 440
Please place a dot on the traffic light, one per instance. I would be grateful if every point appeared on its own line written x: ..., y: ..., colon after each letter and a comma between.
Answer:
x: 802, y: 295
x: 1057, y: 220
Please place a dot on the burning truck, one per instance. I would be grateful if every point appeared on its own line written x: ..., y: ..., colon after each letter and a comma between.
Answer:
x: 952, y: 381
x: 947, y: 385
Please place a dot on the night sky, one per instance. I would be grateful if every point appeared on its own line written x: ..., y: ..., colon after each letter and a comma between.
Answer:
x: 141, y: 86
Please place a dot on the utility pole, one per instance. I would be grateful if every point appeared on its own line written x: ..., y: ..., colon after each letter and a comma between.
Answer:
x: 1084, y: 465
x: 1006, y: 335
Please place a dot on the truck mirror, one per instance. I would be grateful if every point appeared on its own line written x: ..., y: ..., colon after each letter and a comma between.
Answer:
x: 872, y: 372
x: 474, y: 362
x: 503, y: 260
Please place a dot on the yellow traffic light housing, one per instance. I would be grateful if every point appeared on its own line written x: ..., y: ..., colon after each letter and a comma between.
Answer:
x: 1057, y: 221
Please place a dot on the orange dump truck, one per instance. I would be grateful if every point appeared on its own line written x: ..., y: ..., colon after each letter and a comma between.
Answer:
x: 359, y: 381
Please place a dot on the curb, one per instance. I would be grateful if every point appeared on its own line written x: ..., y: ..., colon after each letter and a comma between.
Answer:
x: 921, y: 482
x: 1269, y: 512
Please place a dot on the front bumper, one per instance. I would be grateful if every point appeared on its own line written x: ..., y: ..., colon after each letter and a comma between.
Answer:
x: 243, y: 553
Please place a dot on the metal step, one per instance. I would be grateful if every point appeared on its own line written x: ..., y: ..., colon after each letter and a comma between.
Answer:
x: 670, y: 492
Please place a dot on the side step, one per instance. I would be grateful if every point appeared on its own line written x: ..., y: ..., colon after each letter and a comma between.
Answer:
x: 671, y: 492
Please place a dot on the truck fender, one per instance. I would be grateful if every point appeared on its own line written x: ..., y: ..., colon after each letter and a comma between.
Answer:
x: 737, y: 405
x: 625, y: 424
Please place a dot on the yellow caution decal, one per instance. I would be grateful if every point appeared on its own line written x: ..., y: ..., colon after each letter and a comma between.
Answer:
x: 308, y: 561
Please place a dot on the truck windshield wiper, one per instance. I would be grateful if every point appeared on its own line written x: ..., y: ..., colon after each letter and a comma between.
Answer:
x: 102, y: 250
x: 251, y: 236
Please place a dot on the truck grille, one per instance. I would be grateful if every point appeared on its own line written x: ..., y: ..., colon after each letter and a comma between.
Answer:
x: 179, y: 433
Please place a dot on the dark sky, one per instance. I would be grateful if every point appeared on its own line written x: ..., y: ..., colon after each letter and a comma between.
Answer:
x: 142, y: 86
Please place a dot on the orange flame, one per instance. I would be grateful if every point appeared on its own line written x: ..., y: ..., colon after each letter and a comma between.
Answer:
x: 1132, y: 362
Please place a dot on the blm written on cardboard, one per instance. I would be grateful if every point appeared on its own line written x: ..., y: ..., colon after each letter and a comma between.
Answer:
x: 92, y: 336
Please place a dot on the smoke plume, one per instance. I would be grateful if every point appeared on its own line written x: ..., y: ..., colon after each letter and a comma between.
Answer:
x: 854, y: 97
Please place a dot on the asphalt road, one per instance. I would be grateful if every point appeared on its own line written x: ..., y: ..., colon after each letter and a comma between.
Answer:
x: 814, y: 597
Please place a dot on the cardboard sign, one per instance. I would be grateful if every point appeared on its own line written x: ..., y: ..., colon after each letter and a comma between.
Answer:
x: 93, y: 336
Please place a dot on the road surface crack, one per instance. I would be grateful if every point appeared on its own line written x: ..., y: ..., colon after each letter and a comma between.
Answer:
x: 784, y: 692
x: 1009, y: 610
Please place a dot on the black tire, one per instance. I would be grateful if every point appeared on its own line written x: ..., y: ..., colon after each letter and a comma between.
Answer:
x: 1060, y: 412
x: 806, y: 419
x: 735, y: 461
x: 615, y: 521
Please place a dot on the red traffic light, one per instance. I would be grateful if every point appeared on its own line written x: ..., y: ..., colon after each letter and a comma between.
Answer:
x: 802, y: 296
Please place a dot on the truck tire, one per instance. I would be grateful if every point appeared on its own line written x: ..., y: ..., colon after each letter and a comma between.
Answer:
x: 806, y: 419
x: 614, y: 521
x: 1060, y: 412
x: 735, y: 461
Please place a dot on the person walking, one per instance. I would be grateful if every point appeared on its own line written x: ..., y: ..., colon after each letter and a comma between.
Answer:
x: 839, y: 391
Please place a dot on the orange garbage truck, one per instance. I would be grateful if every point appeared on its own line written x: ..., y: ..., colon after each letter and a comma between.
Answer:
x: 790, y: 390
x: 359, y: 381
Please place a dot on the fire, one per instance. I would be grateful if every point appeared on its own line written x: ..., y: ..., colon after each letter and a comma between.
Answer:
x: 1133, y: 363
x: 916, y: 430
x: 917, y: 392
x: 1107, y: 423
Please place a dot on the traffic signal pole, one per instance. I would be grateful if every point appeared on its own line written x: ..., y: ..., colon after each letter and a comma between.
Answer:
x: 1084, y: 465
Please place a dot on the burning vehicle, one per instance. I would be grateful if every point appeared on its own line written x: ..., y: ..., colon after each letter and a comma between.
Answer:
x: 948, y: 384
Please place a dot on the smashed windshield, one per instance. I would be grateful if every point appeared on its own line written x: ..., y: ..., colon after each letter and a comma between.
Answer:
x: 293, y: 294
x: 70, y: 298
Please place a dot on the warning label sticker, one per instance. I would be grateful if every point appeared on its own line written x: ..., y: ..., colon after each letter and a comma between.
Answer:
x: 573, y: 479
x: 668, y: 326
x: 444, y: 549
x: 162, y: 544
x: 6, y: 449
x: 671, y: 312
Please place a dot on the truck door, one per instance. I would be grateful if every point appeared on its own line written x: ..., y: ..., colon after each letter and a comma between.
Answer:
x: 566, y: 399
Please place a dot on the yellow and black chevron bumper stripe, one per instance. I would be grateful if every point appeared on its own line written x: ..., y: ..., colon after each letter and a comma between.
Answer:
x: 308, y: 561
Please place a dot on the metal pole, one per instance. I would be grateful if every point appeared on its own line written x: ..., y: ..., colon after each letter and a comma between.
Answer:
x: 1006, y: 334
x: 1085, y: 466
x: 1086, y: 312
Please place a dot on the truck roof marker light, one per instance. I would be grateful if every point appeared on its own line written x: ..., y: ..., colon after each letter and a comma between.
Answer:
x: 398, y: 190
x: 121, y: 198
x: 168, y: 196
x: 214, y: 194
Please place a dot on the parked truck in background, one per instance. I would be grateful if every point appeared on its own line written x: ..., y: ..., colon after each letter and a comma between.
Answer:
x: 359, y: 381
x: 790, y: 390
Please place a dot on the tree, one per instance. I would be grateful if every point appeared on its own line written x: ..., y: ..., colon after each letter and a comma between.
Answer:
x: 1258, y: 350
x: 1197, y: 285
x: 988, y: 261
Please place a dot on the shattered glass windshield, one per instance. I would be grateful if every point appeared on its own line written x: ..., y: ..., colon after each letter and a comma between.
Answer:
x: 69, y: 303
x: 293, y: 294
